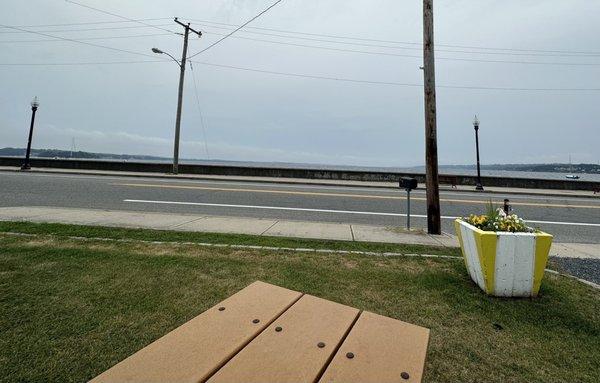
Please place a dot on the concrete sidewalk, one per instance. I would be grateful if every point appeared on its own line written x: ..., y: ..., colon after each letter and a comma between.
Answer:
x: 303, y: 181
x: 256, y: 226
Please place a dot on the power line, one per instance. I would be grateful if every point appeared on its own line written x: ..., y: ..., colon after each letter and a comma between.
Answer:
x: 91, y: 23
x: 408, y: 56
x: 119, y: 16
x: 238, y: 28
x: 295, y: 37
x: 202, y: 124
x: 88, y: 29
x: 406, y: 42
x: 85, y: 63
x: 406, y: 48
x: 87, y: 38
x: 301, y: 75
x: 78, y: 42
x: 316, y: 77
x: 344, y: 37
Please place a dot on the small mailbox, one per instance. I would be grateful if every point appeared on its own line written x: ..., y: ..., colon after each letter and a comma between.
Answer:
x: 408, y: 183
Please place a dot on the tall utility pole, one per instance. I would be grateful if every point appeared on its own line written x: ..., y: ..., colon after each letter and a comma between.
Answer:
x: 431, y: 158
x: 180, y: 96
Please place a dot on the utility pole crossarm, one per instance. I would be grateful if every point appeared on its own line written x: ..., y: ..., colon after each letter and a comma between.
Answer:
x: 187, y: 26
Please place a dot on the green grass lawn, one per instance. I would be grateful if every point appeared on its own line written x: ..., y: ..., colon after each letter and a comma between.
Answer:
x: 71, y: 308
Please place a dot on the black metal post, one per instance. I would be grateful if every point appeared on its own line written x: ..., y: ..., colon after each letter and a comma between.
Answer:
x: 479, y: 185
x: 408, y: 209
x: 26, y: 165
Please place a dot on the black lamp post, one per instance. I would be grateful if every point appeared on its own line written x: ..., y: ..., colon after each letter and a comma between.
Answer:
x: 476, y: 126
x: 34, y: 107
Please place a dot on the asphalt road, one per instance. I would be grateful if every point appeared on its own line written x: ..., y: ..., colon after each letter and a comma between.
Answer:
x: 569, y: 219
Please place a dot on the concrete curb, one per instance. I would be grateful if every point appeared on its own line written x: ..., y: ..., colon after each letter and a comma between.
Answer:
x: 290, y: 182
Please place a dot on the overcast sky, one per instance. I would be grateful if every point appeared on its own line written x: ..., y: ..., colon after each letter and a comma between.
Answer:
x: 250, y: 116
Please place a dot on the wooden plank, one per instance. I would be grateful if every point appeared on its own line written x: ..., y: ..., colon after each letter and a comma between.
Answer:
x: 192, y: 352
x: 384, y: 349
x: 292, y: 354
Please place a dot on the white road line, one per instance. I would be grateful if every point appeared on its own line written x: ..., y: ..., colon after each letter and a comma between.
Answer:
x: 330, y: 211
x: 277, y: 208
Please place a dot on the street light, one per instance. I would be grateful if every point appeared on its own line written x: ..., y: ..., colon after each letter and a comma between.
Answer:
x: 181, y: 82
x: 160, y: 52
x: 179, y: 101
x: 34, y: 107
x: 476, y: 126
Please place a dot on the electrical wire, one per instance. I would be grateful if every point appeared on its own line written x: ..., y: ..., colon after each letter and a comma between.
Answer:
x: 301, y: 75
x: 317, y: 77
x: 558, y: 52
x: 404, y: 48
x: 87, y: 29
x: 91, y: 23
x: 119, y: 16
x: 86, y: 38
x: 238, y: 28
x: 406, y: 42
x: 78, y: 42
x: 411, y: 56
x: 202, y: 124
x: 84, y: 63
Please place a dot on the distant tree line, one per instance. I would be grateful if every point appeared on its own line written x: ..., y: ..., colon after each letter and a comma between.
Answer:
x: 56, y: 153
x: 548, y: 168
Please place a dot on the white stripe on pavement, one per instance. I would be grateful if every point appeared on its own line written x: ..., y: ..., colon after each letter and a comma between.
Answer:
x: 330, y: 211
x: 279, y: 208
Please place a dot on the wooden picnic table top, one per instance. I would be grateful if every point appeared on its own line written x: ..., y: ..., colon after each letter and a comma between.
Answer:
x: 265, y: 333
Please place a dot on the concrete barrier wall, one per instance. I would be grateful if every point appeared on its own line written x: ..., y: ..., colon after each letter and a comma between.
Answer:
x: 349, y: 175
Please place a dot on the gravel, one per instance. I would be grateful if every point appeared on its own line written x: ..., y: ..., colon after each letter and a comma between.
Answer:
x: 587, y: 269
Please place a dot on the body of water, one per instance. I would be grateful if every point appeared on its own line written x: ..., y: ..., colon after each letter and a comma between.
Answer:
x: 449, y: 170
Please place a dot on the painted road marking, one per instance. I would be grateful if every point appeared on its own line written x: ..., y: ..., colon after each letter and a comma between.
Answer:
x: 346, y: 195
x: 328, y: 211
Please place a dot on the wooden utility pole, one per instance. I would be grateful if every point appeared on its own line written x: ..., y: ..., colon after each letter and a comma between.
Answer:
x: 431, y: 158
x: 180, y: 94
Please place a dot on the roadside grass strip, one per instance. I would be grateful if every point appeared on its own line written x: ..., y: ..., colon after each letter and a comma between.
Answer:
x: 240, y: 247
x: 270, y: 248
x: 74, y: 302
x: 65, y: 230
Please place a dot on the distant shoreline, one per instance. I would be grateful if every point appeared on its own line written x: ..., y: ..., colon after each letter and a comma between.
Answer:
x: 592, y: 169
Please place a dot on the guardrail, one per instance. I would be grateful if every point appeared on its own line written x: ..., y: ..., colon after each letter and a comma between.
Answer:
x: 347, y: 175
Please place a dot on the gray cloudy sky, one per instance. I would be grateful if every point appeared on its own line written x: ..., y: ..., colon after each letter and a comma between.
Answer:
x: 130, y: 108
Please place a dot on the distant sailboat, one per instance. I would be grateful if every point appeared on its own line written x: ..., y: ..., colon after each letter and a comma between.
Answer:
x: 571, y: 176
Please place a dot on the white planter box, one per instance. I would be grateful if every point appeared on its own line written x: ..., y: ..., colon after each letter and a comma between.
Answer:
x: 504, y: 264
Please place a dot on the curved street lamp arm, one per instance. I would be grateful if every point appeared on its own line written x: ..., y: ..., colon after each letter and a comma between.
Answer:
x: 174, y: 59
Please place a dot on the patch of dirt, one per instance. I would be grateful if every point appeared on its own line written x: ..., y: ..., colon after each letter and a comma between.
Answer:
x: 350, y: 264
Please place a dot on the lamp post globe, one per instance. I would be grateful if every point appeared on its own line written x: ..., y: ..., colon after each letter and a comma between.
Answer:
x: 476, y: 126
x: 35, y: 103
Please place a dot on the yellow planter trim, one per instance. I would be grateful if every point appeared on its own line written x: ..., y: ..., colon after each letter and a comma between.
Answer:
x: 543, y: 242
x: 486, y: 249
